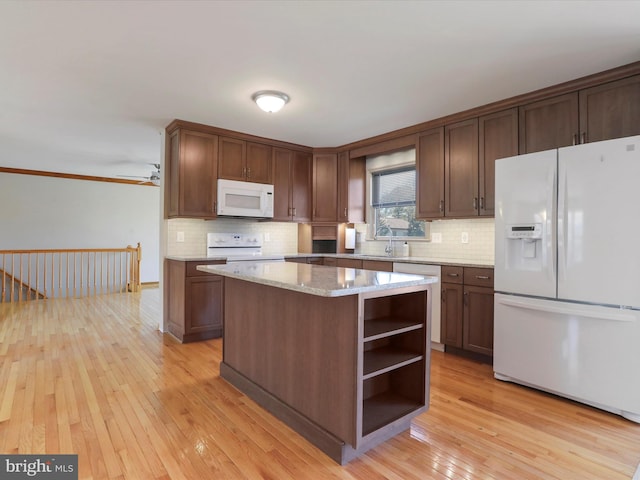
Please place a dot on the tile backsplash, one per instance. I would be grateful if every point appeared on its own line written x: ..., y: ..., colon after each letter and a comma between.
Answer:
x: 283, y: 238
x: 480, y: 246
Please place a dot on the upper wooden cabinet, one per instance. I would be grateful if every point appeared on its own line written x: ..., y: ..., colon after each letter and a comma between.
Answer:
x: 352, y: 174
x: 498, y: 138
x: 430, y: 174
x: 244, y: 161
x: 549, y: 123
x: 456, y: 165
x: 191, y: 165
x: 606, y: 111
x: 325, y: 187
x: 611, y: 110
x: 461, y: 169
x: 291, y: 173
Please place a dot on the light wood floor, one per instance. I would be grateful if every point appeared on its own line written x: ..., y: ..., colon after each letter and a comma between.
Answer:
x: 94, y: 377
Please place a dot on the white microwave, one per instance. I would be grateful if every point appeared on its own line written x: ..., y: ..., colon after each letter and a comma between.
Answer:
x: 244, y: 199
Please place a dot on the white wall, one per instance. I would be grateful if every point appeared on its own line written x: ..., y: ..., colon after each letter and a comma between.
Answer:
x: 39, y: 212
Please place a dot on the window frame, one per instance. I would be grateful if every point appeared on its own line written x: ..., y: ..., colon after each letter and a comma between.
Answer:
x: 372, y: 233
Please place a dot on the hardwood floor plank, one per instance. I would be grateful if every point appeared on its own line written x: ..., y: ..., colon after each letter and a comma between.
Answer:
x: 93, y: 376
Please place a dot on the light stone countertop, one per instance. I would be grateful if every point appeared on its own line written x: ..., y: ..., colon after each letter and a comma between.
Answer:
x: 358, y: 256
x: 318, y: 280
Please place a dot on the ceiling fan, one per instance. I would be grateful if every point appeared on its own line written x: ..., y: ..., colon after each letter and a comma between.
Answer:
x: 153, y: 178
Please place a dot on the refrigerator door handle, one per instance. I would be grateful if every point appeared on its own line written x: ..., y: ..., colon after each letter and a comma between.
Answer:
x: 563, y: 222
x: 552, y: 233
x: 562, y: 309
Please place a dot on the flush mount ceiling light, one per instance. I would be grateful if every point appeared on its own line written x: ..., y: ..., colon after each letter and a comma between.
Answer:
x: 270, y: 100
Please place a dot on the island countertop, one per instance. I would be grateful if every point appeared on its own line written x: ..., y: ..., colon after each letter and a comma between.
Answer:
x: 317, y: 280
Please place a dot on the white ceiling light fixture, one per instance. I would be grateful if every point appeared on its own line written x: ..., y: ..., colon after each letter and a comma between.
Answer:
x: 270, y: 101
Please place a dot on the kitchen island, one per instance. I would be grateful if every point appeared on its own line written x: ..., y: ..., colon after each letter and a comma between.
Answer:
x: 340, y: 355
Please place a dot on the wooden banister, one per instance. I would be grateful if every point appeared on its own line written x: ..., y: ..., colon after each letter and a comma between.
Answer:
x: 55, y: 273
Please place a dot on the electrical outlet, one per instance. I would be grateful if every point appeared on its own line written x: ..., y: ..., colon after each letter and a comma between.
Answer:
x: 464, y: 238
x: 436, y: 238
x: 267, y: 237
x: 180, y: 237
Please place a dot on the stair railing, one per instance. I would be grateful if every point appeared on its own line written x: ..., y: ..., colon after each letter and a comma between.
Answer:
x: 37, y: 274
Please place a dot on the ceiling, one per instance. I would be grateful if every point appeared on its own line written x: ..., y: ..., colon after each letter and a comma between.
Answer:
x: 87, y: 87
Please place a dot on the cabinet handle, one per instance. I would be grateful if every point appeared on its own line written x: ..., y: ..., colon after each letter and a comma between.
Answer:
x: 294, y: 211
x: 345, y: 213
x: 249, y: 172
x: 443, y: 296
x: 244, y: 171
x: 215, y: 207
x: 583, y: 138
x: 475, y: 203
x: 575, y: 139
x: 482, y: 277
x: 481, y: 203
x: 452, y: 274
x: 466, y: 298
x: 442, y: 205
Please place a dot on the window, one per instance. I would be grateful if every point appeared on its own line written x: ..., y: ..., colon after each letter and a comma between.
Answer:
x: 393, y: 198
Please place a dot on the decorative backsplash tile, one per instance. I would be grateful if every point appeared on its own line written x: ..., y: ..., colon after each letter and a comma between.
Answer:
x: 480, y: 246
x: 283, y: 237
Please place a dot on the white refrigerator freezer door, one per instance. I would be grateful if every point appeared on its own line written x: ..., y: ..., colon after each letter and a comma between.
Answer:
x: 525, y: 194
x: 584, y: 352
x: 598, y: 222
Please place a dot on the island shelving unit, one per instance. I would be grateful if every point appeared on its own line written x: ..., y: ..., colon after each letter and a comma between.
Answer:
x: 340, y: 355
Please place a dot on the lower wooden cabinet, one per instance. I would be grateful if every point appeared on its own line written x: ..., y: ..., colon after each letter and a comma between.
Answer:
x: 193, y: 306
x: 467, y: 309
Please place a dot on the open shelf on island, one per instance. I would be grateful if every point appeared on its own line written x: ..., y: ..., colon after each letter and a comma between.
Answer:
x: 395, y: 359
x: 377, y: 328
x: 383, y: 409
x: 385, y: 359
x: 392, y: 395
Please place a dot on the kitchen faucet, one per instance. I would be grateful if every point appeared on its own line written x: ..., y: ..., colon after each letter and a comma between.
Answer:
x: 388, y: 249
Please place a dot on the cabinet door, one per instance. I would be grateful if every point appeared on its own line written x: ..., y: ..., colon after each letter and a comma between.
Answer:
x: 301, y: 170
x: 461, y: 169
x: 352, y: 176
x: 198, y: 167
x: 548, y: 124
x: 281, y: 168
x: 204, y: 304
x: 172, y: 176
x: 430, y: 174
x: 478, y: 320
x: 451, y: 315
x: 498, y: 134
x: 258, y: 163
x: 325, y: 187
x: 610, y: 111
x: 231, y: 155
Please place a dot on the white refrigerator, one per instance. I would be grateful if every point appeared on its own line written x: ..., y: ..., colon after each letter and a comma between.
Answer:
x: 567, y: 273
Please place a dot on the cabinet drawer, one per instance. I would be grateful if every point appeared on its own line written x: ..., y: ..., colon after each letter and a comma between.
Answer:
x: 377, y: 265
x: 192, y: 265
x: 330, y: 261
x: 452, y: 274
x: 481, y: 277
x: 349, y: 263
